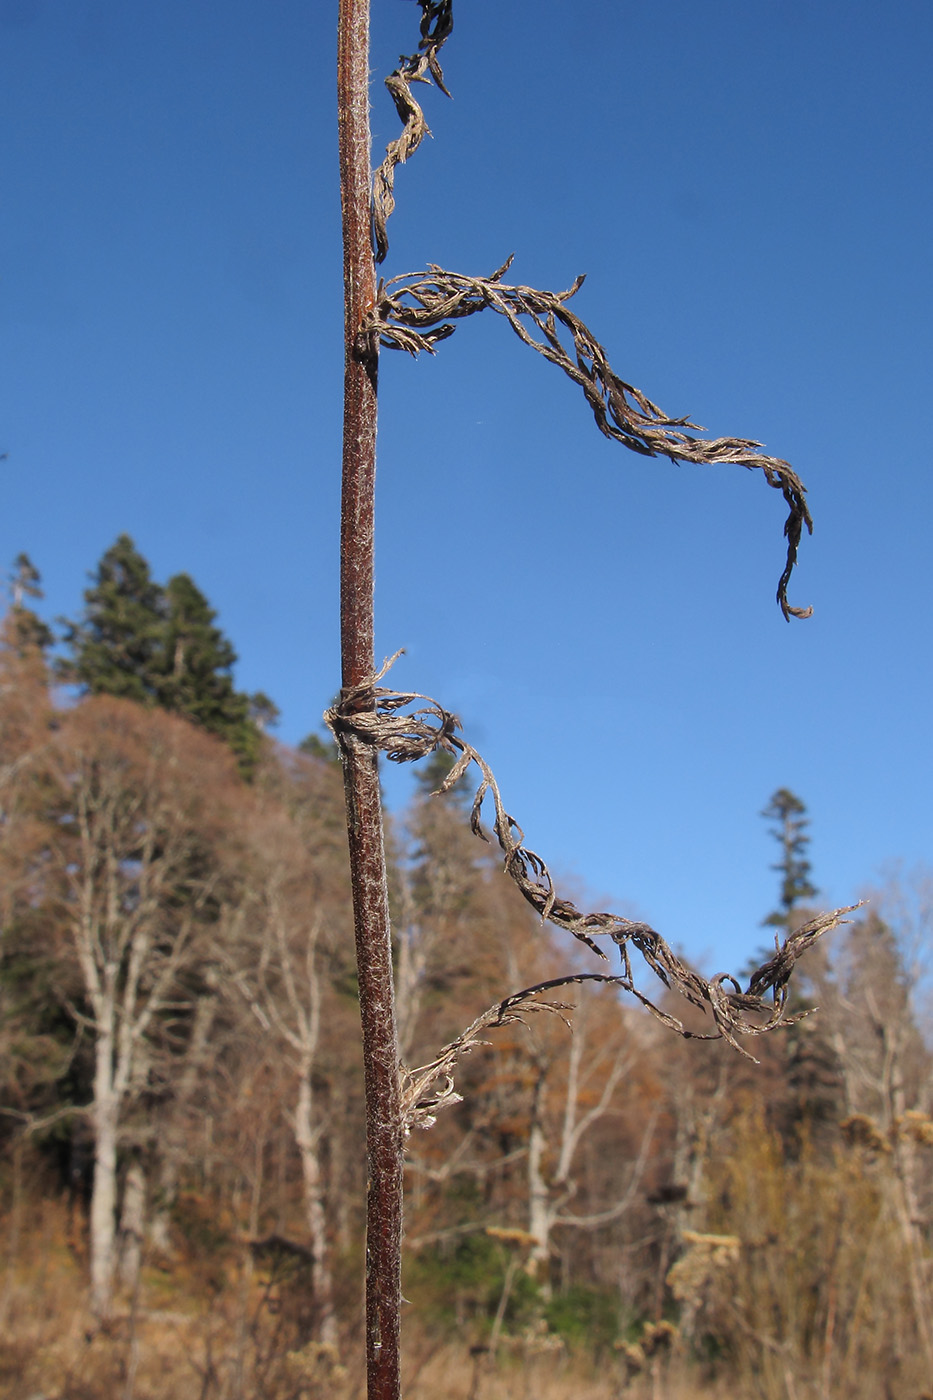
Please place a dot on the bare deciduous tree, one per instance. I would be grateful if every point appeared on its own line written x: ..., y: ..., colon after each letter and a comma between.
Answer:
x: 141, y: 796
x: 571, y: 1095
x: 871, y: 1009
x: 271, y: 954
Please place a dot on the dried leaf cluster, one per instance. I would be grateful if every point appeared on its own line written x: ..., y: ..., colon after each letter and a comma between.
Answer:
x: 416, y: 310
x: 407, y: 734
x: 431, y: 1086
x: 437, y: 23
x: 705, y: 1255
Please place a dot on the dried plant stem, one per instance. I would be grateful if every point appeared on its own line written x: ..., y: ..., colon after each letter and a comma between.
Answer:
x: 384, y: 1134
x: 414, y: 312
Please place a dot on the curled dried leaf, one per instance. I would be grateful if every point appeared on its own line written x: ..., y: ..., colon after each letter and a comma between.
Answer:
x: 431, y: 1086
x: 408, y: 726
x: 437, y: 23
x: 417, y: 310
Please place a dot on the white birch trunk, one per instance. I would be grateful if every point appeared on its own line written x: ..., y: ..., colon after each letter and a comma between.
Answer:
x: 132, y: 1225
x: 174, y: 1146
x: 540, y: 1214
x: 306, y: 1140
x: 105, y: 1116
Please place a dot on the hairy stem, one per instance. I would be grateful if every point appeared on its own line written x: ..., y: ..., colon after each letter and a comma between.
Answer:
x: 361, y: 777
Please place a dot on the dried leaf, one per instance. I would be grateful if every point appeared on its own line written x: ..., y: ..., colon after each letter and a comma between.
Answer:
x: 413, y: 312
x: 370, y: 714
x: 437, y: 24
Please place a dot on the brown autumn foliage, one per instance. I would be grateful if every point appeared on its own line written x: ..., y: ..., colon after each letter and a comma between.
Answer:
x: 605, y: 1212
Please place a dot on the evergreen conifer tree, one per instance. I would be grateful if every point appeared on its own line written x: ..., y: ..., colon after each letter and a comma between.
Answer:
x: 811, y: 1095
x: 790, y: 831
x: 263, y: 711
x: 161, y: 646
x: 197, y: 662
x: 197, y: 682
x: 117, y: 648
x: 29, y: 631
x: 320, y: 746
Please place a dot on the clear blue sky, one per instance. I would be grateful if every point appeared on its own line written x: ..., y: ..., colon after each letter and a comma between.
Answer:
x: 748, y: 188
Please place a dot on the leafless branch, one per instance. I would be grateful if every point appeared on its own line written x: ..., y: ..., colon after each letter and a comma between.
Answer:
x: 603, y: 1217
x: 30, y: 1124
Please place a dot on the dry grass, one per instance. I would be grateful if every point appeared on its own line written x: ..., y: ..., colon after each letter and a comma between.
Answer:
x: 453, y: 1373
x: 224, y: 1334
x: 231, y: 1338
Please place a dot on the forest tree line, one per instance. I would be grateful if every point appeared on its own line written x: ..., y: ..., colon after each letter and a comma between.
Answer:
x: 181, y: 1123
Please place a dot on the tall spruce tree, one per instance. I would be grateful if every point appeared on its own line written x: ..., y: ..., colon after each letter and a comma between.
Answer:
x: 788, y: 813
x: 161, y: 646
x: 117, y: 647
x: 263, y: 711
x: 197, y: 681
x: 29, y: 631
x: 812, y: 1092
x: 197, y: 662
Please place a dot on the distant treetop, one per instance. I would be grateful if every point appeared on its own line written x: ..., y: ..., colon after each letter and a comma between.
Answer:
x: 29, y: 630
x: 159, y: 645
x: 789, y: 814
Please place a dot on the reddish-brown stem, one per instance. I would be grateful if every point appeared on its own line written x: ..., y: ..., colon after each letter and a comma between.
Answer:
x: 361, y: 776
